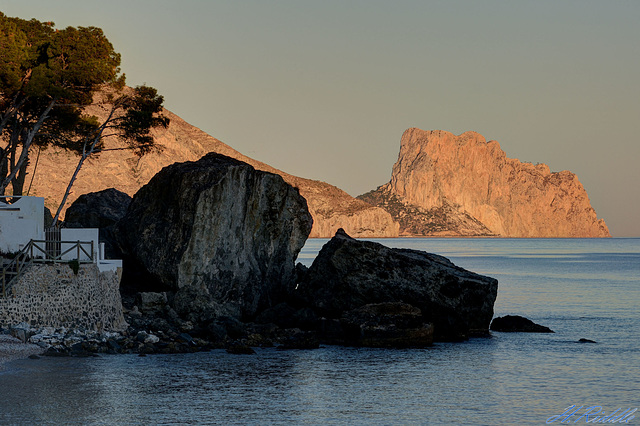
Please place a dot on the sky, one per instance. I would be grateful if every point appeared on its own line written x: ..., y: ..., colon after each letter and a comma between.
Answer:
x: 324, y: 89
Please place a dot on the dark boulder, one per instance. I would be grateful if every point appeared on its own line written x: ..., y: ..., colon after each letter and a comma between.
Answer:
x: 97, y: 209
x: 48, y: 218
x: 348, y: 274
x: 516, y: 323
x: 281, y: 315
x: 218, y: 234
x: 100, y: 210
x: 285, y: 316
x: 152, y: 304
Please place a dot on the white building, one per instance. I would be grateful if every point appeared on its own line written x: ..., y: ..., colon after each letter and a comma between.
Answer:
x: 23, y: 221
x: 20, y: 222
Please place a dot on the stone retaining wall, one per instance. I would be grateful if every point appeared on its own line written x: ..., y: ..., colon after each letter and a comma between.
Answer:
x: 53, y: 296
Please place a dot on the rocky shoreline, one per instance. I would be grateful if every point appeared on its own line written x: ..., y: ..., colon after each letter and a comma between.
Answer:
x: 12, y: 348
x: 209, y: 253
x: 157, y: 333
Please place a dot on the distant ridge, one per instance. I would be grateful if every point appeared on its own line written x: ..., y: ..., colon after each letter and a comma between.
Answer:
x: 331, y: 207
x: 448, y: 185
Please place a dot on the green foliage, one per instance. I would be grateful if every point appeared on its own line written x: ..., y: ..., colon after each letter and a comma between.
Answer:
x: 9, y: 254
x: 142, y: 113
x: 48, y: 77
x: 39, y: 61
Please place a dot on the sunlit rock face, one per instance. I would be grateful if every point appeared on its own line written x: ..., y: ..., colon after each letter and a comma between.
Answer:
x: 464, y: 185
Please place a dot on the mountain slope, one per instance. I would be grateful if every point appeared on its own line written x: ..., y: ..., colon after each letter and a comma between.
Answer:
x: 330, y: 207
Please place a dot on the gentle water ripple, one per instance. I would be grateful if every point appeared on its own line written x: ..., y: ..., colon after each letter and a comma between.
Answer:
x: 579, y: 288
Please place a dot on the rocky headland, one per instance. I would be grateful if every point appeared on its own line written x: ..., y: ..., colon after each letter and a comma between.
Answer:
x: 448, y: 185
x: 118, y: 168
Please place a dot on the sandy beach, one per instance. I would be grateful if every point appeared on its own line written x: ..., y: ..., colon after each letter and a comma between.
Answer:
x: 12, y: 348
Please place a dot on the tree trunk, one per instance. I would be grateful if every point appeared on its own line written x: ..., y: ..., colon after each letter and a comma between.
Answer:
x: 68, y: 190
x: 87, y: 150
x: 12, y: 110
x: 4, y: 170
x: 26, y: 144
x: 18, y: 182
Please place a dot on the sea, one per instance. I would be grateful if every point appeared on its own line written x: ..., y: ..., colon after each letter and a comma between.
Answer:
x: 580, y: 288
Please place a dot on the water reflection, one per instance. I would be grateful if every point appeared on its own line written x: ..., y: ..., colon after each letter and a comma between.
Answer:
x: 474, y: 382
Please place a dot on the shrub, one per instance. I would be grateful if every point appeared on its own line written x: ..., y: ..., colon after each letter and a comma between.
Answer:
x: 75, y: 266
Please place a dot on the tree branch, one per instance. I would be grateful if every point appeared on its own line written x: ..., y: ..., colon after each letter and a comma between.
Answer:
x: 26, y: 144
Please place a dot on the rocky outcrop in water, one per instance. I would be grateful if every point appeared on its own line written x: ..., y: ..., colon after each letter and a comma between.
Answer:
x: 219, y: 235
x: 516, y: 323
x: 443, y: 184
x: 349, y: 274
x: 119, y: 168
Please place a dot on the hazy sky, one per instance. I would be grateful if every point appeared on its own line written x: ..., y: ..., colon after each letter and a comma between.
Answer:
x: 324, y: 89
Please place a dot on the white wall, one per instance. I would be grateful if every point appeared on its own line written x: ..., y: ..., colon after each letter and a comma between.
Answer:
x: 87, y: 234
x: 79, y: 234
x: 23, y: 221
x: 20, y: 222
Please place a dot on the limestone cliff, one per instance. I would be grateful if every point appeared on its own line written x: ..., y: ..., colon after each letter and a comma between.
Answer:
x: 443, y: 184
x: 330, y: 207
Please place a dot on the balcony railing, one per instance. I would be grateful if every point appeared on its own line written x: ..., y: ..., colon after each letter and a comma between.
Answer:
x: 42, y: 251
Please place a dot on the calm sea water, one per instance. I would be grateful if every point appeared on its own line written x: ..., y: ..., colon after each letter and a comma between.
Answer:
x: 581, y: 288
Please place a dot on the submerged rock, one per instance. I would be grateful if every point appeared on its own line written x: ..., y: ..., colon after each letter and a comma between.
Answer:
x: 219, y: 234
x: 348, y: 274
x: 516, y: 323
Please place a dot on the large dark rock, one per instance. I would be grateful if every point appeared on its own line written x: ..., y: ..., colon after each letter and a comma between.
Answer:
x: 348, y: 274
x: 97, y: 209
x: 516, y: 323
x: 219, y: 234
x: 48, y: 218
x: 100, y: 210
